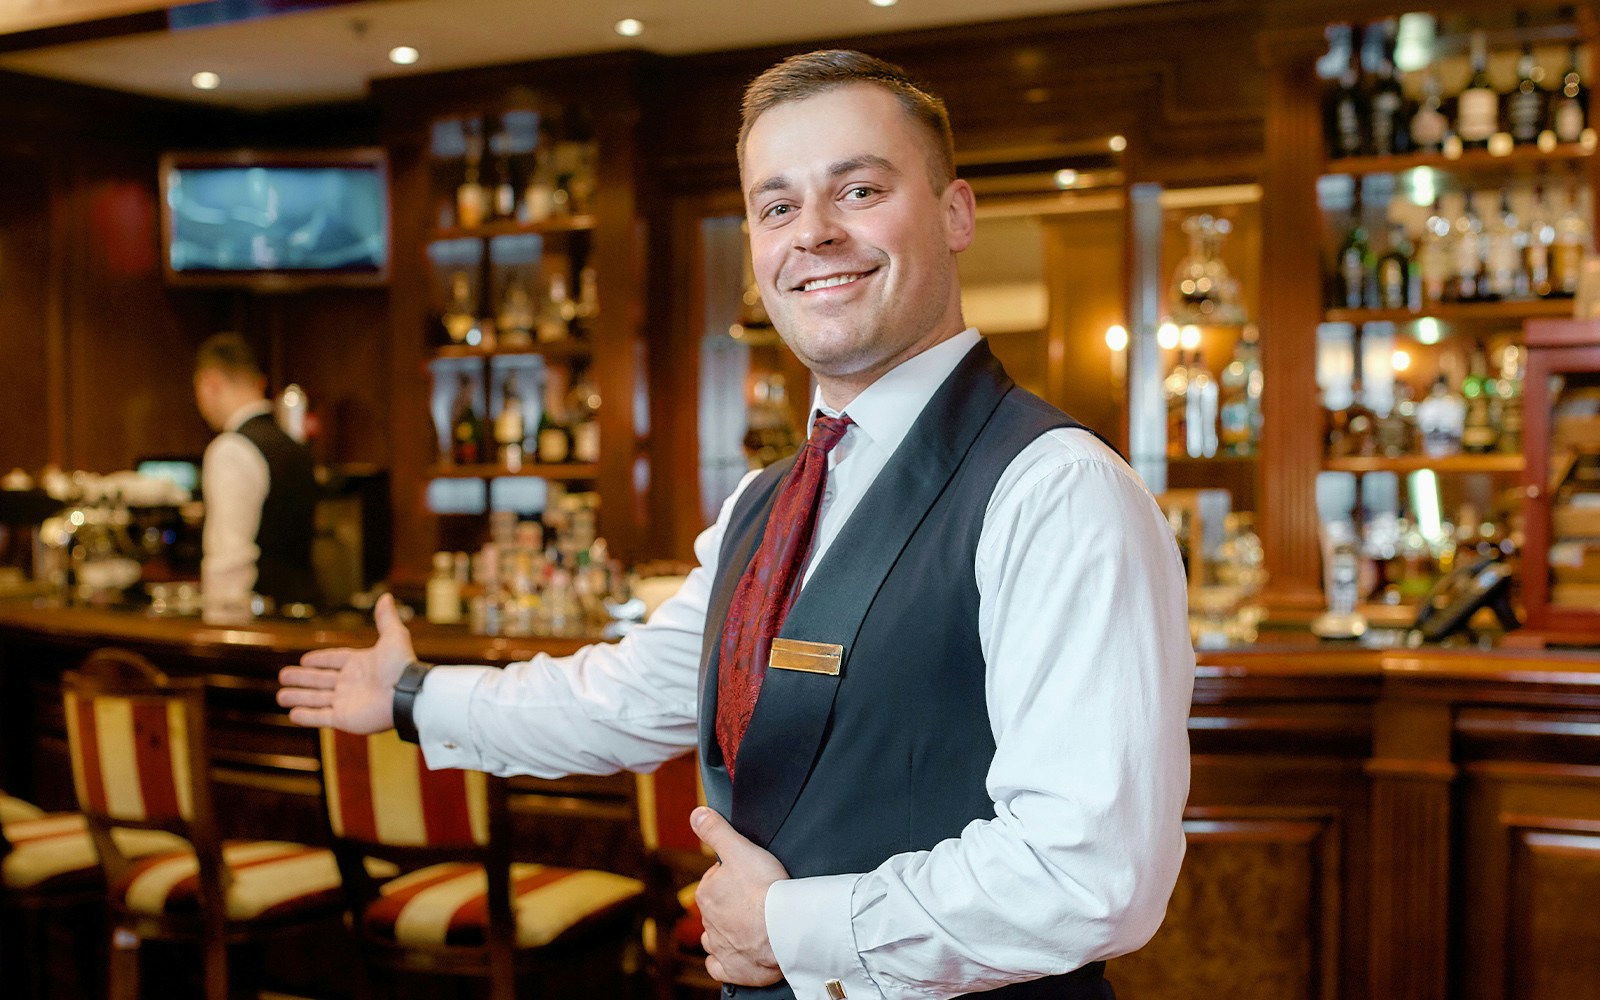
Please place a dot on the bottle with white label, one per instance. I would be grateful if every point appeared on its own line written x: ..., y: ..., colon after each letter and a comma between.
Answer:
x: 444, y: 592
x: 1478, y: 107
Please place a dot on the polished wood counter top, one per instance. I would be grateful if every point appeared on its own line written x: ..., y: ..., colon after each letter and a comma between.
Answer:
x: 263, y: 640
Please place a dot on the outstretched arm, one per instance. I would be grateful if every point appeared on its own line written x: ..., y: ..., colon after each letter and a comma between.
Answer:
x: 350, y: 689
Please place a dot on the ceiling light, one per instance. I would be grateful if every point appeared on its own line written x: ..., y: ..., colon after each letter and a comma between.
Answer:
x: 1118, y: 144
x: 206, y: 80
x: 403, y: 55
x: 630, y: 27
x: 884, y: 3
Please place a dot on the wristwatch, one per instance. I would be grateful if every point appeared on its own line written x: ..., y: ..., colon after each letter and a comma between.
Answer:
x: 405, y: 699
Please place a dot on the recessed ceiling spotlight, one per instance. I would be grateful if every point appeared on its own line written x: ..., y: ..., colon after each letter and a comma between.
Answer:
x: 884, y: 3
x: 630, y: 27
x: 1118, y: 143
x: 403, y: 55
x: 206, y: 80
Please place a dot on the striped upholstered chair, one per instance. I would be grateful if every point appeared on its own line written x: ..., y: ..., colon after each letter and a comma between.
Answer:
x: 139, y: 763
x: 676, y: 859
x: 443, y: 915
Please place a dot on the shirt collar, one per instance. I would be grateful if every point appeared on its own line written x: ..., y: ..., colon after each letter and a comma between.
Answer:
x: 886, y: 409
x: 248, y: 411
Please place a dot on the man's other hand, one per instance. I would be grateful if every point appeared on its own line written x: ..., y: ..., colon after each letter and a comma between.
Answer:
x: 733, y: 904
x: 350, y: 689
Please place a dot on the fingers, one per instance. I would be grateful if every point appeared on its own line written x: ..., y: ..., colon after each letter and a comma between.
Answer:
x: 716, y: 970
x: 311, y: 718
x: 290, y: 697
x: 308, y: 677
x: 329, y: 658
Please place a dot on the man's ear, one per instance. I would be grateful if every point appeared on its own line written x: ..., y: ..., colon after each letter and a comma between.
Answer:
x: 961, y: 215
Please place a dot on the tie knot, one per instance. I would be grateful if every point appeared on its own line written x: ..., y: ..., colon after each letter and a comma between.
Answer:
x: 827, y: 432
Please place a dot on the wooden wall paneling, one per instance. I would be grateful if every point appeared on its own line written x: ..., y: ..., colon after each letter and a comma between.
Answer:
x: 1555, y: 940
x: 1291, y: 306
x: 1255, y: 912
x: 1084, y: 274
x: 25, y: 330
x: 335, y: 344
x: 1411, y: 773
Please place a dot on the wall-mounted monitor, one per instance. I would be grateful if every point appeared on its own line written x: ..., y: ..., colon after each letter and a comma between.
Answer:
x: 275, y: 220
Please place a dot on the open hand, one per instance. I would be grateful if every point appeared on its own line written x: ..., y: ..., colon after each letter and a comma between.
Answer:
x: 350, y: 689
x: 733, y: 904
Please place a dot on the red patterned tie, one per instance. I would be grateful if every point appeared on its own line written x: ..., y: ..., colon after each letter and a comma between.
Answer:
x: 769, y: 586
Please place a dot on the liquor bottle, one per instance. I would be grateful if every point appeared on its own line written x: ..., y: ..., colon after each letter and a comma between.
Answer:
x: 1396, y: 429
x: 1466, y: 286
x: 1478, y: 432
x: 1524, y: 110
x: 514, y: 326
x: 460, y: 316
x: 1573, y: 240
x: 555, y: 315
x: 1360, y: 422
x: 1430, y: 124
x: 1398, y: 281
x: 444, y: 593
x: 1509, y: 390
x: 1200, y: 418
x: 1344, y: 112
x: 1386, y: 104
x: 1478, y: 107
x: 505, y: 190
x: 583, y: 409
x: 554, y: 440
x: 1440, y: 419
x: 1503, y: 276
x: 1174, y: 388
x: 1238, y: 417
x: 1355, y: 269
x: 539, y: 198
x: 1539, y: 235
x: 509, y: 426
x: 1569, y: 108
x: 1436, y: 256
x: 588, y: 305
x: 466, y: 429
x: 472, y: 198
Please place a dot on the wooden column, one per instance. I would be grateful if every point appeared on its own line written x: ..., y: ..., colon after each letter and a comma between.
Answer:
x: 1291, y: 307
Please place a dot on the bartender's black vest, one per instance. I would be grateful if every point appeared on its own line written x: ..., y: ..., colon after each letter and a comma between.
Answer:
x: 838, y: 773
x: 283, y: 569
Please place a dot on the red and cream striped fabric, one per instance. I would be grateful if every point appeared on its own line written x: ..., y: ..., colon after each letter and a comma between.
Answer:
x: 56, y: 850
x: 13, y: 809
x: 447, y: 904
x: 420, y: 807
x: 270, y: 879
x: 130, y: 756
x: 665, y: 800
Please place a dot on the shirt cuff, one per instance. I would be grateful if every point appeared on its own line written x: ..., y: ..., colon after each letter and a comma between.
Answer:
x: 443, y: 717
x: 809, y: 926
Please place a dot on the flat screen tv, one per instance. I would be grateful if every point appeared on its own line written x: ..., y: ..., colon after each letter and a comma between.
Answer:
x: 275, y: 221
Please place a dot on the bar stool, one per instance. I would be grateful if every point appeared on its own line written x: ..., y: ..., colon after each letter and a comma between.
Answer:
x: 461, y: 906
x: 676, y: 861
x: 137, y: 740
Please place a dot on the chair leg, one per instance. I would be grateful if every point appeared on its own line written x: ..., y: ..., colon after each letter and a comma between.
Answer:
x: 122, y: 978
x: 216, y: 967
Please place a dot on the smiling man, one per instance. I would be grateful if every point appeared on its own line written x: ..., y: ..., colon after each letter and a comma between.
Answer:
x: 936, y: 667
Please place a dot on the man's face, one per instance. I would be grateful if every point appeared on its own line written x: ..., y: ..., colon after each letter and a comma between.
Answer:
x: 854, y: 250
x: 208, y: 393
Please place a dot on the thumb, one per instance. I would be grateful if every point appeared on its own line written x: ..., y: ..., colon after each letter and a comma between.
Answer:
x: 716, y: 832
x: 387, y: 619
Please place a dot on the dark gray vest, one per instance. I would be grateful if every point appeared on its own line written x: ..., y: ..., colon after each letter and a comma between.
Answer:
x: 838, y: 773
x: 283, y: 570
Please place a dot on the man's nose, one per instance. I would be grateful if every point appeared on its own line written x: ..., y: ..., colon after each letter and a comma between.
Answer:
x: 823, y: 227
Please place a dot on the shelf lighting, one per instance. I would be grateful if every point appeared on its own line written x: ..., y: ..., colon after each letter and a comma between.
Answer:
x: 1424, y: 187
x: 1400, y: 361
x: 883, y: 3
x: 206, y: 80
x: 1117, y: 337
x: 1428, y: 330
x: 630, y: 27
x: 403, y: 55
x: 1167, y: 336
x: 1118, y: 143
x: 1066, y: 178
x: 1189, y: 337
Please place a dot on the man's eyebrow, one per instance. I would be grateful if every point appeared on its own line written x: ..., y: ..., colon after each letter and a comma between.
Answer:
x: 858, y: 162
x: 777, y: 183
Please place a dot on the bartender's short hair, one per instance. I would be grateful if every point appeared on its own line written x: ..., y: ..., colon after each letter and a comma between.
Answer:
x: 813, y: 73
x: 229, y: 354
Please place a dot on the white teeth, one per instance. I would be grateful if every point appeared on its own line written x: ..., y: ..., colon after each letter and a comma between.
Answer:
x: 841, y: 279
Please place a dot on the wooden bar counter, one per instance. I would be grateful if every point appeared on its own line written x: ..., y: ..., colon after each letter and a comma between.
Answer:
x: 1362, y: 823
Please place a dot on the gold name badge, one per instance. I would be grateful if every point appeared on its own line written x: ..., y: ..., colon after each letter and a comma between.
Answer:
x: 809, y: 657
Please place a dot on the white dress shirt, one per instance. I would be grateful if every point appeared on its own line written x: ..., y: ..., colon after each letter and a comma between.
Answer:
x: 233, y: 481
x: 1089, y: 672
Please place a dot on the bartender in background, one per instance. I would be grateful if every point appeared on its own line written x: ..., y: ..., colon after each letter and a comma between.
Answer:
x: 258, y: 487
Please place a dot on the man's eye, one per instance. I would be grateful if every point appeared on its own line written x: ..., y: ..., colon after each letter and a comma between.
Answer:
x: 777, y: 210
x: 859, y: 192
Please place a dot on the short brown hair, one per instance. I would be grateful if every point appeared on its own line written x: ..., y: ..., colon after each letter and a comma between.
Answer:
x: 229, y: 354
x: 813, y: 73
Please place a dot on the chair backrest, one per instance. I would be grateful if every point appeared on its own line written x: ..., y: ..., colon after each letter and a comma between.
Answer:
x: 137, y: 742
x: 380, y: 792
x: 664, y: 799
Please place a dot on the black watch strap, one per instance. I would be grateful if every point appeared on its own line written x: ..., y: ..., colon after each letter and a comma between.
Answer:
x: 405, y: 699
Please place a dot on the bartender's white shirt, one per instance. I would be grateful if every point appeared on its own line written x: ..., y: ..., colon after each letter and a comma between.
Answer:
x: 234, y: 480
x: 1089, y: 673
